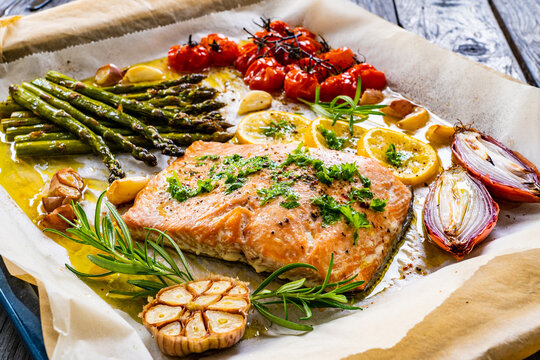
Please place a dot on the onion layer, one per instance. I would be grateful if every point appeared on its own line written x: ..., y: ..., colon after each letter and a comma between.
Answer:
x: 459, y: 212
x: 506, y: 173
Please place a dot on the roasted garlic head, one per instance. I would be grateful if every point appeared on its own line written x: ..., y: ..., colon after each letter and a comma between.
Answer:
x: 198, y: 316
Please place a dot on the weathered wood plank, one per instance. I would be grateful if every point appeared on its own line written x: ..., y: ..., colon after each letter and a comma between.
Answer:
x: 11, y: 345
x: 466, y: 27
x: 21, y: 7
x: 522, y: 23
x: 382, y: 8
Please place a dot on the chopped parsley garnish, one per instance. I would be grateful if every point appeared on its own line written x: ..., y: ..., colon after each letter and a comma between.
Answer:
x: 394, y: 157
x: 332, y: 210
x: 208, y: 157
x: 378, y: 205
x: 363, y: 194
x: 278, y: 129
x: 182, y: 192
x: 332, y: 140
x: 279, y: 189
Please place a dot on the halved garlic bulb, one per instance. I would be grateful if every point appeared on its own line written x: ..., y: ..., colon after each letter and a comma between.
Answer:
x: 198, y: 316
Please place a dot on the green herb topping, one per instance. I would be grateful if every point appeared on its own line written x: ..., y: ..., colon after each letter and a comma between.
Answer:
x: 208, y: 157
x: 182, y: 192
x: 344, y: 107
x: 278, y: 129
x: 396, y: 158
x: 332, y: 140
x: 279, y: 189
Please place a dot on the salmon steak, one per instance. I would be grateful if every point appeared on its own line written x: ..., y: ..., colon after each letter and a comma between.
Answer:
x: 277, y: 204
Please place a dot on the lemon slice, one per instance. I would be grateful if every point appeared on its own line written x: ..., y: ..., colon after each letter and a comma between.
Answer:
x: 313, y: 136
x: 271, y: 127
x: 419, y: 161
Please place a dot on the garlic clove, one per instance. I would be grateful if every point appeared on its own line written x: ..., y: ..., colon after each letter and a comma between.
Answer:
x: 415, y: 120
x: 125, y: 190
x: 218, y: 287
x: 221, y: 322
x: 141, y: 73
x: 205, y: 300
x: 371, y: 96
x: 198, y: 287
x: 255, y: 100
x: 162, y: 314
x: 238, y: 290
x: 108, y: 75
x: 178, y: 295
x: 195, y: 328
x: 440, y: 134
x: 399, y: 108
x: 172, y: 329
x: 230, y: 303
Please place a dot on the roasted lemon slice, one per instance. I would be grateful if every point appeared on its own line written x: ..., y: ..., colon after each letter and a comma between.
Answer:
x: 341, y: 138
x: 198, y: 316
x: 271, y: 127
x: 411, y: 160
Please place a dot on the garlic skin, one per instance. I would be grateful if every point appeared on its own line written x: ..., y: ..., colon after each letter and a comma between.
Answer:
x: 198, y: 316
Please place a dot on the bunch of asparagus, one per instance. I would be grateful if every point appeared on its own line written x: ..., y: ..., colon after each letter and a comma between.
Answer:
x: 57, y: 115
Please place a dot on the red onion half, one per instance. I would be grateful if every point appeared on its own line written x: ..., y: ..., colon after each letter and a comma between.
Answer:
x: 506, y: 173
x: 459, y: 212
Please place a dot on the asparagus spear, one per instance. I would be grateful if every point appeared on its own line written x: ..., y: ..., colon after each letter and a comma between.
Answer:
x: 107, y: 133
x: 85, y: 103
x: 61, y: 118
x: 9, y: 106
x: 132, y: 106
x: 194, y: 95
x: 22, y: 114
x: 11, y: 122
x: 153, y: 93
x: 191, y: 109
x: 131, y: 88
x: 41, y: 136
x: 48, y: 128
x: 75, y: 147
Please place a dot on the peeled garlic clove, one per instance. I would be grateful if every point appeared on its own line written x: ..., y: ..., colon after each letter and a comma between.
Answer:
x: 126, y: 189
x: 440, y: 134
x: 198, y: 323
x: 141, y: 73
x: 255, y: 100
x: 108, y: 75
x: 66, y: 183
x: 69, y: 177
x: 371, y: 96
x: 415, y: 120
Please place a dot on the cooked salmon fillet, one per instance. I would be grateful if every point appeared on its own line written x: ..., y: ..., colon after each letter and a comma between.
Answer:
x: 238, y: 227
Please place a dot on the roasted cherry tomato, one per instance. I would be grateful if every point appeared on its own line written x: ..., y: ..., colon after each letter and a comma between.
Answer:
x: 315, y: 66
x: 300, y: 84
x: 303, y: 31
x: 342, y: 84
x: 265, y: 74
x: 371, y: 77
x: 248, y: 54
x: 294, y: 49
x: 223, y: 52
x: 190, y: 57
x: 341, y: 58
x: 280, y: 27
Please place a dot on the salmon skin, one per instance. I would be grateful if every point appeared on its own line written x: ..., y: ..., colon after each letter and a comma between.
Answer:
x: 235, y: 225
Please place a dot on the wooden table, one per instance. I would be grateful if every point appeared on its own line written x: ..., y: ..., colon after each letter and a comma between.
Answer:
x: 501, y: 34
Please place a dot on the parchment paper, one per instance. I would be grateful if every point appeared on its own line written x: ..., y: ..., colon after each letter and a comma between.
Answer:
x: 487, y: 305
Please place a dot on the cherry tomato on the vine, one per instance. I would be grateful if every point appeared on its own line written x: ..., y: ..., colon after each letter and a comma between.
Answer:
x: 223, y: 52
x: 247, y: 55
x: 341, y: 58
x: 342, y: 84
x: 371, y: 78
x: 300, y: 84
x: 265, y: 74
x: 190, y: 57
x: 303, y: 31
x: 280, y: 27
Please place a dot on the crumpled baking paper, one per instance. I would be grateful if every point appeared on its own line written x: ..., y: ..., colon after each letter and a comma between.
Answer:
x: 485, y: 306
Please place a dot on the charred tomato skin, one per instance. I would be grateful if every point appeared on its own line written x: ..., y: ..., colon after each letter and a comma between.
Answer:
x: 342, y: 84
x: 190, y: 57
x: 223, y: 52
x: 265, y: 74
x: 498, y: 190
x: 247, y: 54
x: 341, y: 58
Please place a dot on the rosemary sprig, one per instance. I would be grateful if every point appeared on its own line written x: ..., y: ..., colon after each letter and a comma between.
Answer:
x: 343, y: 107
x: 294, y: 293
x: 120, y: 254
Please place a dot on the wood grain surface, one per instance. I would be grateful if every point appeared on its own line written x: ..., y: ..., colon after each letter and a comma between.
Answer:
x: 501, y: 34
